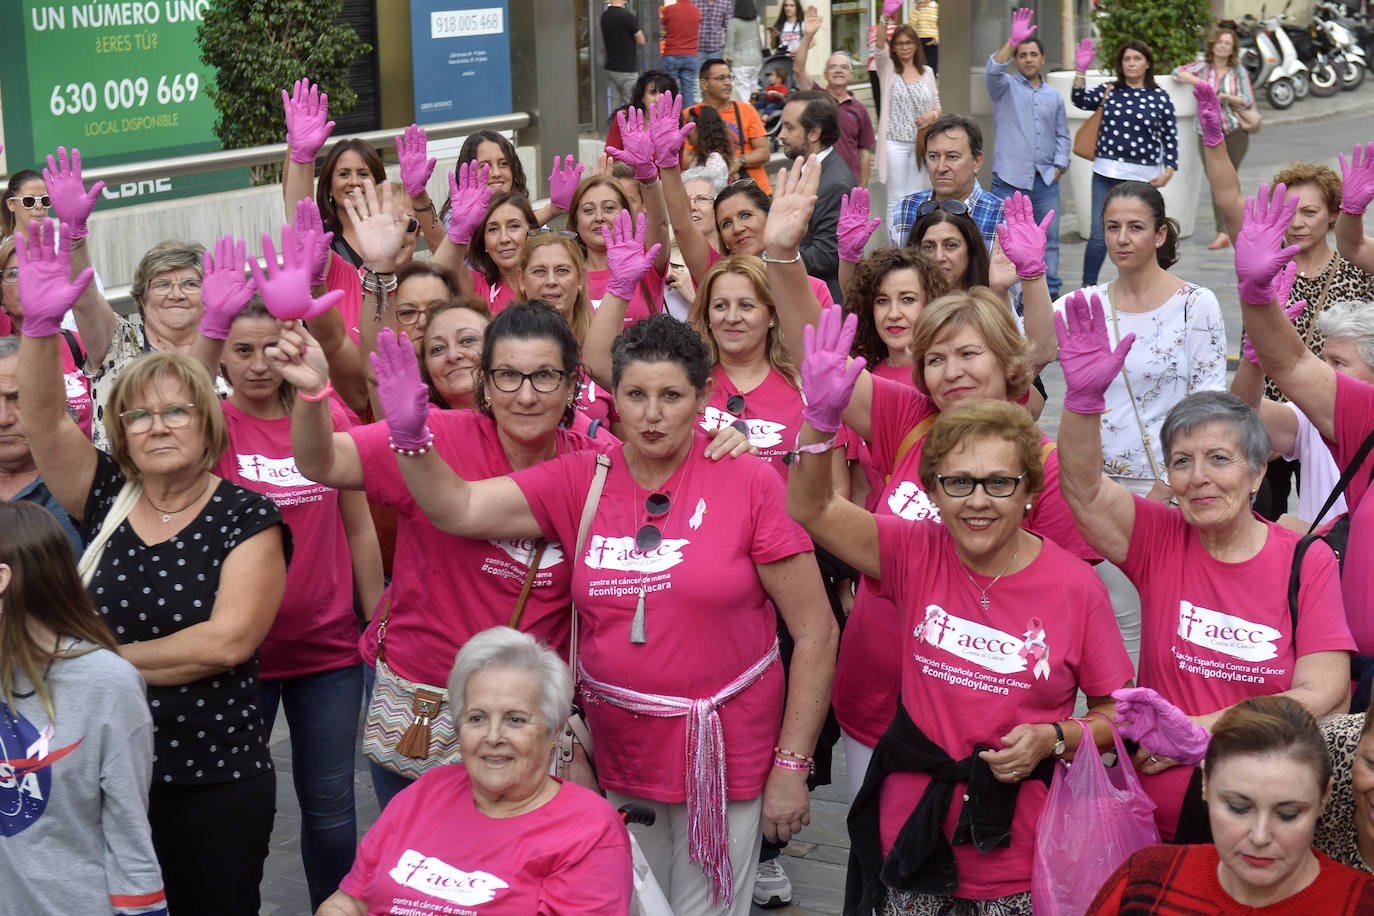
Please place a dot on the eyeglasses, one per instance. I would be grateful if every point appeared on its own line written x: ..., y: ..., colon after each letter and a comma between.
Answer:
x: 545, y: 381
x: 10, y: 274
x: 29, y: 202
x: 957, y: 207
x: 737, y: 405
x: 649, y: 536
x: 723, y: 78
x: 189, y: 285
x: 545, y: 230
x: 838, y: 67
x: 998, y: 487
x: 174, y: 416
x: 408, y: 316
x: 702, y: 199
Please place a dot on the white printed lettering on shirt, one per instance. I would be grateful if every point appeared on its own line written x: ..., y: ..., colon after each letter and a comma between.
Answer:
x: 622, y: 554
x: 521, y: 550
x: 279, y: 472
x: 436, y: 878
x: 909, y: 501
x: 762, y: 433
x: 1230, y: 635
x: 972, y: 641
x: 75, y: 388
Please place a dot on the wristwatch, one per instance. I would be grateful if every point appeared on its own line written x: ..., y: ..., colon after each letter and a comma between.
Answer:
x: 1058, y: 739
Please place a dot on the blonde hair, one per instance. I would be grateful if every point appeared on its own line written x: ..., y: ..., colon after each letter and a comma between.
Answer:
x: 750, y: 266
x: 982, y: 309
x: 979, y: 419
x: 184, y: 370
x: 581, y: 318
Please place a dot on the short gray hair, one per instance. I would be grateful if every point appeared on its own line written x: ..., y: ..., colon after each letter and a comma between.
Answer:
x: 9, y: 346
x: 502, y: 647
x: 162, y: 257
x: 1219, y: 407
x: 702, y: 173
x: 1351, y: 320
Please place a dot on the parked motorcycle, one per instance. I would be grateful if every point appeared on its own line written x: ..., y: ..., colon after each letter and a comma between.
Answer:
x: 1262, y: 58
x: 1347, y: 54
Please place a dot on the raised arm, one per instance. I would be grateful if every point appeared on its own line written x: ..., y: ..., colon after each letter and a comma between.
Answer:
x: 1023, y: 241
x: 470, y: 195
x: 668, y: 137
x: 307, y: 130
x: 1248, y: 384
x: 380, y: 226
x: 412, y: 150
x: 1357, y: 190
x: 95, y: 319
x: 1102, y: 508
x: 629, y: 256
x: 811, y: 24
x: 321, y: 454
x: 225, y: 290
x: 1221, y: 173
x: 641, y: 154
x: 853, y: 231
x: 345, y: 361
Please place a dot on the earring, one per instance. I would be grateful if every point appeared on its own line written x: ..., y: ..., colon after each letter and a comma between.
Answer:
x: 771, y: 322
x: 1028, y: 506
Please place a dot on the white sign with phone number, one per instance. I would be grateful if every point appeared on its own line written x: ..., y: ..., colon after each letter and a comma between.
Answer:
x: 466, y: 23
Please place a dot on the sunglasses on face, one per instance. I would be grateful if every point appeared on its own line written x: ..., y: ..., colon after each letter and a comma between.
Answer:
x: 957, y: 207
x: 30, y: 202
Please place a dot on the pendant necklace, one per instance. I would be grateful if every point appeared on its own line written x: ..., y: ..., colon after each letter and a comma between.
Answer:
x: 984, y: 599
x: 168, y: 513
x: 650, y: 535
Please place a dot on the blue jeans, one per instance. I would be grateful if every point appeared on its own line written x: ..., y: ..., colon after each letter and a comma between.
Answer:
x: 385, y: 783
x: 1097, y: 243
x: 322, y: 710
x: 1044, y: 198
x: 683, y: 68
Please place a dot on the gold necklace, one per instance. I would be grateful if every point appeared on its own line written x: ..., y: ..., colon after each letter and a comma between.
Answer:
x: 168, y: 513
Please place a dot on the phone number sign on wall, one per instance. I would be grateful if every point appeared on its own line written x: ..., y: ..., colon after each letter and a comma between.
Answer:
x: 460, y: 56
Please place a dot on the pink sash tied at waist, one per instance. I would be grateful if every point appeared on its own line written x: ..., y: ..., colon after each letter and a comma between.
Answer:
x: 706, y: 785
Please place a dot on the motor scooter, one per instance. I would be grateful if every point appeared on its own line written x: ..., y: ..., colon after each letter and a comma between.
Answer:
x: 1347, y: 55
x: 1261, y: 58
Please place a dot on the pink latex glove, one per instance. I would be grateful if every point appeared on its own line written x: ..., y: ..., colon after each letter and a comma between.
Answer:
x: 665, y: 129
x: 70, y: 200
x: 1283, y: 283
x: 44, y: 289
x: 285, y: 290
x: 308, y: 221
x: 469, y: 195
x: 307, y: 121
x: 1023, y: 240
x: 411, y: 148
x: 225, y: 289
x: 1290, y: 311
x: 1159, y: 726
x: 563, y: 182
x: 626, y: 256
x: 1357, y: 180
x: 1086, y: 355
x: 1083, y: 55
x: 637, y: 146
x: 1260, y: 253
x: 403, y: 395
x: 1021, y: 28
x: 855, y: 228
x: 826, y: 383
x: 1209, y: 115
x: 891, y: 7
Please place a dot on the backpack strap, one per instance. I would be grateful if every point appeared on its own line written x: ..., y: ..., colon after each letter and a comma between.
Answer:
x: 914, y: 435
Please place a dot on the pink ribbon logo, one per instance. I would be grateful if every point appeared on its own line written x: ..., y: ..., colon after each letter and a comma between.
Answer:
x: 1034, y: 648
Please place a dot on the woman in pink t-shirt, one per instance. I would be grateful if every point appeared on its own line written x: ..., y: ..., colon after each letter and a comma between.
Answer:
x: 976, y: 634
x: 485, y: 237
x: 1218, y: 625
x: 675, y: 584
x: 595, y: 204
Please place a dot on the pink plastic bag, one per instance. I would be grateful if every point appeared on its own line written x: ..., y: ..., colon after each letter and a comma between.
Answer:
x: 1093, y: 819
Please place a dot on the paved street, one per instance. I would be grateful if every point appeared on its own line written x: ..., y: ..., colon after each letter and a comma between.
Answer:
x: 1313, y: 130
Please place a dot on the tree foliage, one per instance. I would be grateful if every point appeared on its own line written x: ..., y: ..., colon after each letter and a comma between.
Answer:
x: 1172, y: 28
x: 260, y: 47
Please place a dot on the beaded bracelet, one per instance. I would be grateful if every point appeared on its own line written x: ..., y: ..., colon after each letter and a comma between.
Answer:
x: 784, y: 763
x: 784, y: 752
x: 325, y: 392
x: 413, y: 452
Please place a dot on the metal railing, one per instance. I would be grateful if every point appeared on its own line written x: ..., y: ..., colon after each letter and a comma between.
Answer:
x: 221, y: 160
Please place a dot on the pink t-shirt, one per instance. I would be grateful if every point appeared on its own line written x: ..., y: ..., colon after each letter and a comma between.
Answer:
x: 772, y: 409
x: 595, y: 402
x: 639, y: 307
x: 315, y: 629
x: 707, y: 617
x: 818, y: 287
x: 78, y: 386
x: 497, y: 297
x: 1214, y: 633
x: 1354, y: 418
x: 969, y: 676
x: 866, y: 673
x: 433, y: 852
x: 343, y: 275
x: 445, y: 588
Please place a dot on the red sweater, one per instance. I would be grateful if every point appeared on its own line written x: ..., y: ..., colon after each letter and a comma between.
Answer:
x: 1182, y: 881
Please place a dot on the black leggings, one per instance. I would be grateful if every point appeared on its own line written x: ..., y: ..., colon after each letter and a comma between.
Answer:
x: 211, y: 841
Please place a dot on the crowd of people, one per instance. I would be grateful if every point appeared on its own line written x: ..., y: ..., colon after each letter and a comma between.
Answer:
x: 609, y: 517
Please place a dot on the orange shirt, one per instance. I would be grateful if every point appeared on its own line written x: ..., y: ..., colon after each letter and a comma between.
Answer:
x: 752, y: 130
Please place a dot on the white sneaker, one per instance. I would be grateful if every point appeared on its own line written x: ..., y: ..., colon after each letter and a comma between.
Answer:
x: 771, y: 885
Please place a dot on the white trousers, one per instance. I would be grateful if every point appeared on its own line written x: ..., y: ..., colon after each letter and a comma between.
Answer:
x: 856, y: 758
x: 903, y: 178
x: 746, y: 80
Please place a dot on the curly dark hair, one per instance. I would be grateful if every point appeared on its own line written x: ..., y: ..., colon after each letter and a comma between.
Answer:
x: 656, y: 79
x: 862, y: 292
x: 712, y: 136
x: 662, y: 339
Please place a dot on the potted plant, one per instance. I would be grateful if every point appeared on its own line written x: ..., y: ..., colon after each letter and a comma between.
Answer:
x: 1174, y: 30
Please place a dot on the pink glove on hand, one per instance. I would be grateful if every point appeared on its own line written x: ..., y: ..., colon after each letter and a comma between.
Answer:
x: 403, y: 395
x: 1023, y: 240
x: 1209, y: 115
x: 626, y: 256
x: 1083, y: 55
x: 308, y: 221
x: 1260, y: 254
x: 1357, y: 180
x: 1021, y: 28
x: 1086, y: 355
x: 469, y: 195
x: 667, y: 132
x: 637, y: 146
x: 286, y: 292
x: 855, y: 228
x: 1159, y: 726
x: 70, y: 200
x: 225, y: 288
x: 44, y: 289
x: 1283, y: 288
x: 411, y: 148
x: 827, y: 385
x: 891, y: 7
x: 563, y: 182
x: 307, y: 124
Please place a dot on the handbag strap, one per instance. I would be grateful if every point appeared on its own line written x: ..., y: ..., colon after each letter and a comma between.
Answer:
x: 584, y: 527
x: 124, y: 504
x: 528, y: 584
x: 1320, y: 304
x: 1130, y: 393
x: 381, y: 630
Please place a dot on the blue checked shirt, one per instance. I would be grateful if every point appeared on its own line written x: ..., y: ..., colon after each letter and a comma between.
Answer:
x: 983, y: 208
x: 711, y: 32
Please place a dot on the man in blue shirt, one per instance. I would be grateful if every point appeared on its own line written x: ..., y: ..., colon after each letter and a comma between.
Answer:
x: 1033, y: 144
x: 19, y: 478
x: 954, y: 154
